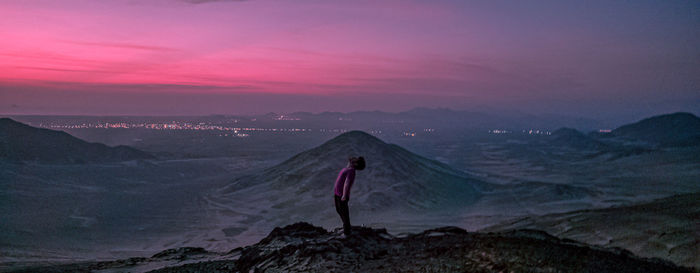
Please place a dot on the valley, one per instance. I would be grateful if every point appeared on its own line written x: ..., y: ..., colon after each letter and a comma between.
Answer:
x: 67, y: 212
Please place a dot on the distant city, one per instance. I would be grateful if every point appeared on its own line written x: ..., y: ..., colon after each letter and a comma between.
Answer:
x: 201, y: 126
x: 240, y: 131
x: 528, y: 132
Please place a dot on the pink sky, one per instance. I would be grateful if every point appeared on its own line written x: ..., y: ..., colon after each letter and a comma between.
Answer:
x: 461, y: 53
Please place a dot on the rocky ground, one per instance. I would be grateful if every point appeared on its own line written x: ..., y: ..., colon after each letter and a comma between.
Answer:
x: 302, y: 247
x: 667, y: 228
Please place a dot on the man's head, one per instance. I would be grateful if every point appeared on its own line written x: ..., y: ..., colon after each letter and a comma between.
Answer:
x: 357, y: 163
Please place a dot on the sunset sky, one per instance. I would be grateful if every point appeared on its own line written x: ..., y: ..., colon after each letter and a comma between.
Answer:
x: 589, y: 58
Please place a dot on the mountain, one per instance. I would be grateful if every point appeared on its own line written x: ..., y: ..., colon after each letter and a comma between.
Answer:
x: 394, y: 178
x: 665, y: 228
x: 573, y: 138
x: 396, y: 186
x: 302, y: 247
x: 21, y: 142
x: 677, y: 129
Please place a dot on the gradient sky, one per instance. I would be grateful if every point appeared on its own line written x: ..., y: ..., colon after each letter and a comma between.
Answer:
x: 590, y: 58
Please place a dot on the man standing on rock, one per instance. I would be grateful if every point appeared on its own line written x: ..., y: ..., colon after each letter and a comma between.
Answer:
x: 341, y: 190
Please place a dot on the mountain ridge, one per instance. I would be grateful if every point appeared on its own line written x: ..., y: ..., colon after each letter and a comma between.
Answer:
x: 20, y: 142
x: 675, y: 129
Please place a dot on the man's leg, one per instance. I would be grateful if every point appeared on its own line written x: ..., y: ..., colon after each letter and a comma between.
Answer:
x: 337, y: 205
x: 341, y: 208
x: 345, y: 215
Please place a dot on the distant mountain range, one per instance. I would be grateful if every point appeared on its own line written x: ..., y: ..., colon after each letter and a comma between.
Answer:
x: 440, y: 118
x: 678, y: 129
x: 20, y: 142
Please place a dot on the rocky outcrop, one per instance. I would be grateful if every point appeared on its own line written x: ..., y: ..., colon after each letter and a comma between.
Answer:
x: 302, y: 247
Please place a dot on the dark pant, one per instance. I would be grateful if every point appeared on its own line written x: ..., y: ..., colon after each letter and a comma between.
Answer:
x: 342, y: 208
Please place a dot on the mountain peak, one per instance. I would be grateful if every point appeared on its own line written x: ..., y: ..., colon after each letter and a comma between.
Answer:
x: 356, y: 137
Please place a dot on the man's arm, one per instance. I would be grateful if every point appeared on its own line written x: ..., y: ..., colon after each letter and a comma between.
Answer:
x: 349, y: 179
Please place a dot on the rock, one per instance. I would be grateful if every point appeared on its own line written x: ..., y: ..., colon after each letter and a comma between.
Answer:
x: 302, y: 247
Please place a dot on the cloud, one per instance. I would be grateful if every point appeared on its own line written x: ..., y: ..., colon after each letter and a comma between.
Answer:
x: 65, y: 70
x: 185, y: 87
x: 122, y: 45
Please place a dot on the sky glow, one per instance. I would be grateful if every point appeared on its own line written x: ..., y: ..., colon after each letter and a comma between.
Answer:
x: 528, y: 55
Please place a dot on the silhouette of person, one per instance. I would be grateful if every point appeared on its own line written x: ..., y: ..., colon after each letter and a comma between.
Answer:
x: 342, y: 187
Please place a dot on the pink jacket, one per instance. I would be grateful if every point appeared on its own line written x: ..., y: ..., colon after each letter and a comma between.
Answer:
x: 345, y: 175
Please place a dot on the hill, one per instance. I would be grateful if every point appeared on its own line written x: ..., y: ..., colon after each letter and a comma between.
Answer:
x: 575, y: 139
x: 21, y: 142
x: 665, y: 228
x: 394, y: 177
x: 677, y: 129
